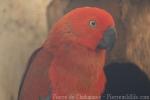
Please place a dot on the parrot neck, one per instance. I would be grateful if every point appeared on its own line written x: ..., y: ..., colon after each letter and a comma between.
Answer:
x: 77, y: 71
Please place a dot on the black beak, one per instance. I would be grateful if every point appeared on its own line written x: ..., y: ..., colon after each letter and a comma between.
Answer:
x: 109, y: 39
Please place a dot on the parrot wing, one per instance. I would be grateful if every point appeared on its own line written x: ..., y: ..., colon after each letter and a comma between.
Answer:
x: 35, y: 84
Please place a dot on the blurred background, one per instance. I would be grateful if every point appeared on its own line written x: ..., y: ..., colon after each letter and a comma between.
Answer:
x: 24, y: 26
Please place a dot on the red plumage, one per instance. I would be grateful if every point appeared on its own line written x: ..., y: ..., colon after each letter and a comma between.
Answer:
x: 70, y: 61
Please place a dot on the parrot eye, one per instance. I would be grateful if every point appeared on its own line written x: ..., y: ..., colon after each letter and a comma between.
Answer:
x: 92, y: 23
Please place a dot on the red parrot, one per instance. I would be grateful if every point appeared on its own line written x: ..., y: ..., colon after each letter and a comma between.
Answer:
x: 69, y: 65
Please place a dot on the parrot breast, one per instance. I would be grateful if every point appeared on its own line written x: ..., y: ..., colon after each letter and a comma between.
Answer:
x: 76, y: 70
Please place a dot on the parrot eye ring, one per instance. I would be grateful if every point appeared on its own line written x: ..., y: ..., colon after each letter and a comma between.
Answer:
x: 92, y: 23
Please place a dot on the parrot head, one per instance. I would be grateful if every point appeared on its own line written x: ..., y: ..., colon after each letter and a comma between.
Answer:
x: 91, y: 27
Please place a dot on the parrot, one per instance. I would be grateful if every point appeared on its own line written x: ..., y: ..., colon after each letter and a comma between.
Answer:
x: 70, y: 63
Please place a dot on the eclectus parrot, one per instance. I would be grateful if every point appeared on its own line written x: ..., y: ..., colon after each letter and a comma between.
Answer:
x: 70, y: 62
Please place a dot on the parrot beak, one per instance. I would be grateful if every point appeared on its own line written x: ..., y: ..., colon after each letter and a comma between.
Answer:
x: 109, y: 39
